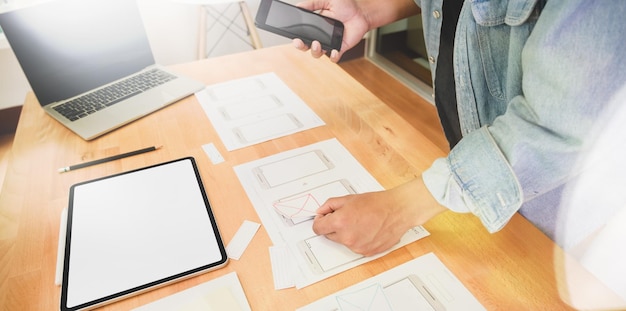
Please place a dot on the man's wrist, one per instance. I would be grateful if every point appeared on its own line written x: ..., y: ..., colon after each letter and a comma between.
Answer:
x: 421, y: 203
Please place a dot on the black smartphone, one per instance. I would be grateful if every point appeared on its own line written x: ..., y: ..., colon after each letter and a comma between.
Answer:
x: 293, y: 22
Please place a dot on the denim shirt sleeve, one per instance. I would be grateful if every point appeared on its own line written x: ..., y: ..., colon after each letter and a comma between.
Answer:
x: 523, y: 133
x: 476, y: 178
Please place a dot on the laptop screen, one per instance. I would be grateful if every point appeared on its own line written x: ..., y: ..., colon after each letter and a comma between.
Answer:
x: 68, y: 47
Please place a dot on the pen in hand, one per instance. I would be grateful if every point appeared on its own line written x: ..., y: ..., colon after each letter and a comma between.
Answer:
x: 112, y: 158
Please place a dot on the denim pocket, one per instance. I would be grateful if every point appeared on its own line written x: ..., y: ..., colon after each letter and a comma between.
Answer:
x: 494, y: 51
x: 502, y: 27
x: 496, y: 12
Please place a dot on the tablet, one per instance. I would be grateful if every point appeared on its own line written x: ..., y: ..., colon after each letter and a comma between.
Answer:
x: 135, y: 231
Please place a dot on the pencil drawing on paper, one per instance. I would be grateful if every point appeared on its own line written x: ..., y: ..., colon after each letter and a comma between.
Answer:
x: 303, y: 206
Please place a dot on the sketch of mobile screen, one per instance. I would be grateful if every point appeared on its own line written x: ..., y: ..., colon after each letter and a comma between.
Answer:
x: 293, y: 168
x: 410, y: 293
x: 249, y: 107
x: 302, y: 207
x: 235, y: 89
x: 268, y: 128
x: 323, y: 254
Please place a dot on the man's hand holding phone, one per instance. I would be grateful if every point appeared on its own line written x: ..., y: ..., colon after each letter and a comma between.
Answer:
x: 321, y: 31
x: 346, y: 11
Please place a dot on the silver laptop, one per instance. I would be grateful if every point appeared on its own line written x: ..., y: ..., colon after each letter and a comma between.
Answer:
x: 90, y: 64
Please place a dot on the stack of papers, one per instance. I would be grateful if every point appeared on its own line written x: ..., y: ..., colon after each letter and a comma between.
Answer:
x: 423, y: 283
x: 287, y: 188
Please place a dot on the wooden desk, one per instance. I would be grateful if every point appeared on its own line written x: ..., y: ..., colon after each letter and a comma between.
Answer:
x: 509, y: 270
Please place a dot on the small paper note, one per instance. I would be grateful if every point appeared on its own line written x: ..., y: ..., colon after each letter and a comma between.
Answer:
x: 58, y: 277
x: 214, y: 155
x: 242, y: 238
x: 282, y: 267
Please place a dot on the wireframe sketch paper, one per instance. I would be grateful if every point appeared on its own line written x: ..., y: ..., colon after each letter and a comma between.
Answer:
x: 369, y: 298
x: 255, y: 109
x: 223, y: 293
x: 287, y: 188
x: 423, y: 283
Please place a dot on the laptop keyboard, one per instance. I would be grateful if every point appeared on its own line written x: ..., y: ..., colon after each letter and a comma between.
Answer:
x: 87, y: 104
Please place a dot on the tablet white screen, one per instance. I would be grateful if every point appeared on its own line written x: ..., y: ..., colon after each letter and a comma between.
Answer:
x: 133, y: 231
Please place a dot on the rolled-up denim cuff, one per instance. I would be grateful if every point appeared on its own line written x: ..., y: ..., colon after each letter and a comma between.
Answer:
x: 489, y: 185
x: 443, y: 188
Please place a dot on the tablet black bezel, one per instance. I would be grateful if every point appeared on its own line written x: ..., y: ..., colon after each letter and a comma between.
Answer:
x: 151, y: 285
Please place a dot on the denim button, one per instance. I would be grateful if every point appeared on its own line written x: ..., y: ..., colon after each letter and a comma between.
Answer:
x: 436, y: 14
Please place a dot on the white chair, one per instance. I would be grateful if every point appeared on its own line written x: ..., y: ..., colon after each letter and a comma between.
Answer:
x: 217, y: 10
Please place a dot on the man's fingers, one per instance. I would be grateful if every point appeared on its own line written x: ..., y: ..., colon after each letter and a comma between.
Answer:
x: 334, y: 56
x: 322, y: 225
x: 299, y: 44
x: 327, y: 220
x: 316, y: 49
x: 326, y: 208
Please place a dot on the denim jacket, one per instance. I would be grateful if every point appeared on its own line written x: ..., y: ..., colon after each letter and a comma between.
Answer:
x: 531, y: 82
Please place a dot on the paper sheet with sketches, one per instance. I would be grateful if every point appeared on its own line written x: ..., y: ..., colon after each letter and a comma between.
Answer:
x: 423, y: 283
x: 222, y: 293
x: 255, y: 109
x: 287, y: 188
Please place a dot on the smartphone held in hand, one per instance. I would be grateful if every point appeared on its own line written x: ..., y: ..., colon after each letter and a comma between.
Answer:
x: 293, y: 22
